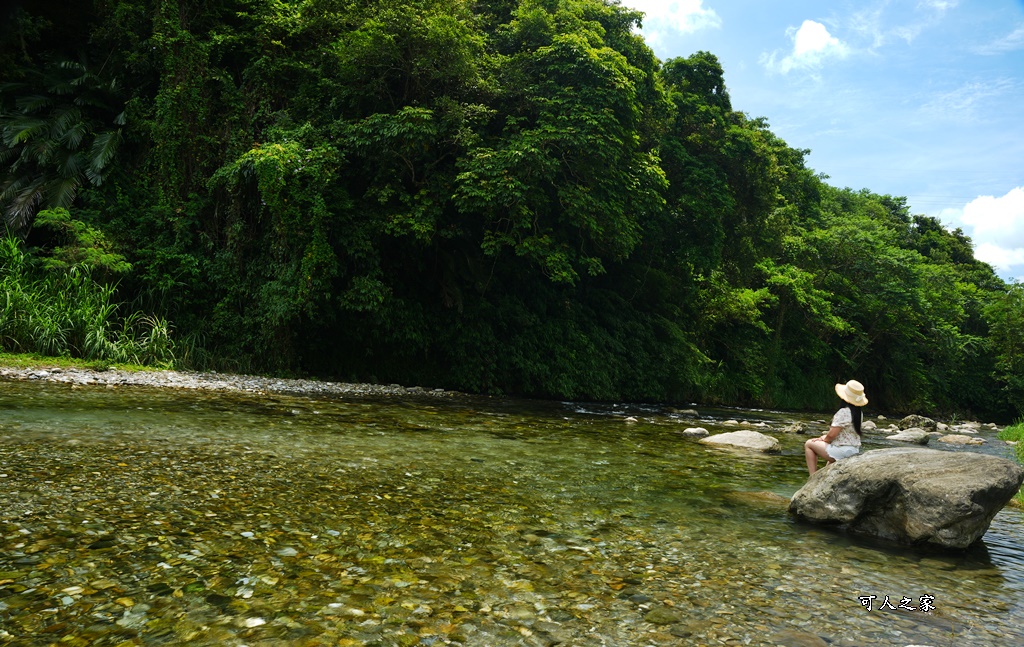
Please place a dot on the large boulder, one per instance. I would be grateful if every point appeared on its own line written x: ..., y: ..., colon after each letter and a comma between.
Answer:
x: 745, y: 439
x: 911, y: 495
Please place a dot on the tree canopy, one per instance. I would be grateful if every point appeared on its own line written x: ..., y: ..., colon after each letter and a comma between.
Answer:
x: 502, y: 196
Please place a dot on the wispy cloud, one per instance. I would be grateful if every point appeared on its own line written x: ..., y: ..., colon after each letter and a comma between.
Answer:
x: 867, y: 24
x: 661, y: 19
x: 966, y: 103
x: 885, y: 21
x: 1009, y: 43
x: 812, y: 46
x: 938, y: 6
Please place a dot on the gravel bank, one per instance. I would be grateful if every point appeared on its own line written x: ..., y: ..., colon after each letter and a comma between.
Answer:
x: 212, y: 381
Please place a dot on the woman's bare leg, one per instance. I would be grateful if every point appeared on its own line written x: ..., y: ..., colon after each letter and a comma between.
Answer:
x: 813, y: 449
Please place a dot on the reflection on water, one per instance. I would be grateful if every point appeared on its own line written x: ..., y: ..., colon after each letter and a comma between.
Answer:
x: 139, y: 517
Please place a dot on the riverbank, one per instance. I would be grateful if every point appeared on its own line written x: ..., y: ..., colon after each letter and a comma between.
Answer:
x: 60, y: 372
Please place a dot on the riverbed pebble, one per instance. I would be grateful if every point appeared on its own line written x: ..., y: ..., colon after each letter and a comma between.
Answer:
x: 213, y: 381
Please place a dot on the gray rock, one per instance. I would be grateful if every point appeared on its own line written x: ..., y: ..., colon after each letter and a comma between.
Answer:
x: 913, y: 435
x: 960, y: 439
x: 964, y: 429
x: 801, y: 428
x: 868, y: 425
x: 745, y: 439
x: 917, y: 421
x: 911, y: 495
x: 696, y: 432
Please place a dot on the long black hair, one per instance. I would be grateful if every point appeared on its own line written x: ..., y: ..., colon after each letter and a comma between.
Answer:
x: 856, y: 415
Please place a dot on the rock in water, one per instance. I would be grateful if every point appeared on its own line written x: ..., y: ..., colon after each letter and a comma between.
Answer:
x: 745, y: 439
x: 695, y: 432
x: 914, y: 435
x: 918, y: 421
x: 802, y: 428
x: 961, y: 439
x: 911, y: 495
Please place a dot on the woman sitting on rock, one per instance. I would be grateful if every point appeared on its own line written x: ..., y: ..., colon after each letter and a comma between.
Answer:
x: 842, y: 439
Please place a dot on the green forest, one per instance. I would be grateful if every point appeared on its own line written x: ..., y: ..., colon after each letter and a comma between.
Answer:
x: 494, y: 196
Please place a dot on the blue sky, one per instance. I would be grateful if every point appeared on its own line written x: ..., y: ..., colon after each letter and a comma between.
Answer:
x: 915, y: 98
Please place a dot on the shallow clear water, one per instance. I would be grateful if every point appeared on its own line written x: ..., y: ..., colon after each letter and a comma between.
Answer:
x: 143, y: 516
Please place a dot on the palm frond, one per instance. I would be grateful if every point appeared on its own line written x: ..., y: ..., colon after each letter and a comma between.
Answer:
x: 33, y: 103
x: 49, y: 146
x: 60, y: 87
x: 61, y: 192
x: 12, y: 87
x: 64, y: 119
x: 24, y: 203
x: 73, y: 136
x: 71, y: 164
x: 41, y: 150
x: 103, y: 148
x: 21, y: 130
x: 11, y: 187
x: 7, y: 154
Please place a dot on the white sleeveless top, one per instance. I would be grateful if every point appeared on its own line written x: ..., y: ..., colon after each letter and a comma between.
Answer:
x: 848, y: 435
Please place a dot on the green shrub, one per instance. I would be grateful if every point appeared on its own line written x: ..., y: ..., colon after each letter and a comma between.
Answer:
x: 66, y: 312
x: 1015, y: 433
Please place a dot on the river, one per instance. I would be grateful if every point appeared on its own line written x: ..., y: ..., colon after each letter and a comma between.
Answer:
x: 139, y: 516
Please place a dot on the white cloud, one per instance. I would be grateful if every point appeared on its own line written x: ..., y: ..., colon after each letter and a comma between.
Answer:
x: 996, y: 225
x: 684, y: 16
x: 812, y: 45
x: 997, y: 219
x: 1007, y: 262
x: 1011, y: 42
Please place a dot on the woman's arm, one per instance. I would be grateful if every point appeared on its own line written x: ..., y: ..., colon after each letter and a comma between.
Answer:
x: 831, y: 434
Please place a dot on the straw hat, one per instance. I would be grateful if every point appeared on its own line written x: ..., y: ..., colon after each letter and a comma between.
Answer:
x: 852, y: 392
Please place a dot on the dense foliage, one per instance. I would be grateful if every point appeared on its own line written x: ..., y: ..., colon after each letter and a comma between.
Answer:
x: 506, y: 196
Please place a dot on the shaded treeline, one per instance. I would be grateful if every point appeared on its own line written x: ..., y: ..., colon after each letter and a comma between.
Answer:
x: 495, y: 196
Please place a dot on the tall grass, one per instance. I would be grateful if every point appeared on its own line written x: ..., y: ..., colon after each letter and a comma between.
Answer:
x: 1015, y: 433
x: 70, y: 314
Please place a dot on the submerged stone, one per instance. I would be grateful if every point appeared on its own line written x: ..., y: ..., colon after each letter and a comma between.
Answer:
x: 791, y: 638
x: 663, y: 616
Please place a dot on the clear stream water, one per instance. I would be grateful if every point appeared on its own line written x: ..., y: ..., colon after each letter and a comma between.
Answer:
x: 138, y: 516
